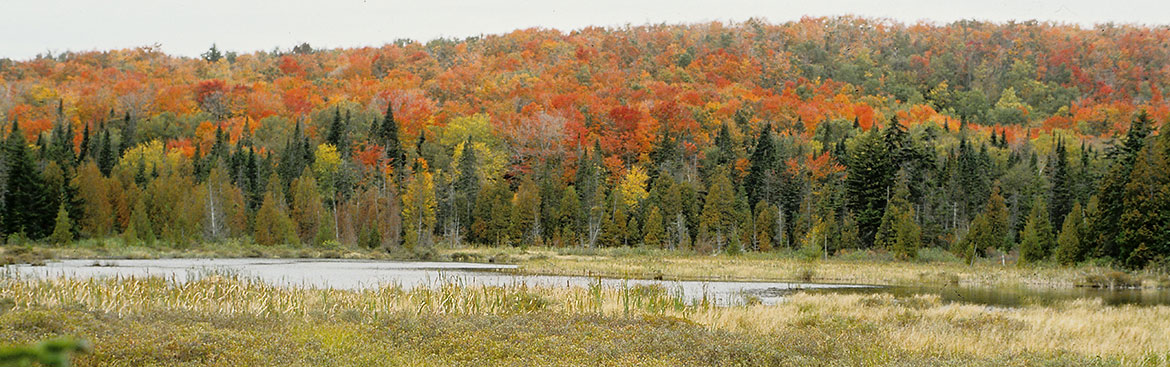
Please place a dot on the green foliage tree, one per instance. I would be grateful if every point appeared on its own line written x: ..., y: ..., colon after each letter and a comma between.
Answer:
x: 27, y: 206
x: 652, y: 229
x: 718, y: 216
x: 1036, y: 241
x: 898, y: 232
x: 869, y: 175
x: 63, y: 229
x: 1069, y: 245
x: 1144, y: 228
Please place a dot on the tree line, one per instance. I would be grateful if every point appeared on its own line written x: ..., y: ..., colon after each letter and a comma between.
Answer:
x: 891, y: 188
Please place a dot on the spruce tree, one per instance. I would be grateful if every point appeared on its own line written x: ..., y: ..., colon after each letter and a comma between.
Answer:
x: 1062, y: 185
x: 869, y: 175
x: 1036, y: 241
x: 1069, y: 248
x: 1144, y: 226
x: 27, y: 205
x: 467, y: 187
x: 570, y: 212
x: 761, y: 179
x: 388, y: 138
x: 652, y: 229
x: 718, y: 216
x: 63, y: 229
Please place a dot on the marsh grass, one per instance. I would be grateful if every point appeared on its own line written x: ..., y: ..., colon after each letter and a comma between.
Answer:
x: 935, y: 268
x: 228, y: 320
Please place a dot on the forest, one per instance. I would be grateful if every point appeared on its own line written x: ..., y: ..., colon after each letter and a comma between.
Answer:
x: 1022, y: 142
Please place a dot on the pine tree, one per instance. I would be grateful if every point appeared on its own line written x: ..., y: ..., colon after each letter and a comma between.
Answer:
x: 898, y: 232
x: 869, y: 175
x: 63, y: 230
x: 1036, y: 241
x: 765, y: 225
x: 1112, y: 189
x: 27, y: 205
x: 989, y: 230
x: 1143, y: 234
x: 467, y: 187
x: 613, y: 227
x: 1062, y: 185
x: 107, y: 156
x: 526, y: 214
x: 718, y: 216
x: 337, y: 134
x: 1069, y: 248
x: 570, y: 211
x: 761, y: 179
x: 501, y: 214
x: 388, y: 137
x: 652, y: 229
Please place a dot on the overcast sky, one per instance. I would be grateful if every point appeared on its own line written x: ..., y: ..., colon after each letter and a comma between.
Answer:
x: 189, y: 27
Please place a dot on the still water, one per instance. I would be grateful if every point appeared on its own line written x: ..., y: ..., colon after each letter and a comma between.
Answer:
x: 358, y: 274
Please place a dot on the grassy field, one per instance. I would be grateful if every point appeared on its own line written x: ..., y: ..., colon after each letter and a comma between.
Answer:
x: 223, y: 320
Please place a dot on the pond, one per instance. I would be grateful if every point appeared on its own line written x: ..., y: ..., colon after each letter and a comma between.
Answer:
x: 358, y: 274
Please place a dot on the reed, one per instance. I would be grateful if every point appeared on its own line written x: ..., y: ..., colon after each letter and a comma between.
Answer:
x: 223, y: 319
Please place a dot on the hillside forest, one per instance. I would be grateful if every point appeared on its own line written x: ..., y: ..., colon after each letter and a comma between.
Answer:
x: 1027, y: 141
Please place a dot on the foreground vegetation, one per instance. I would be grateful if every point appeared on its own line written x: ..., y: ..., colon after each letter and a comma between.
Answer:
x: 222, y: 320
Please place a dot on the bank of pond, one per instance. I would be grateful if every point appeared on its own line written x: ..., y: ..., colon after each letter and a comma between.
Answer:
x: 363, y: 274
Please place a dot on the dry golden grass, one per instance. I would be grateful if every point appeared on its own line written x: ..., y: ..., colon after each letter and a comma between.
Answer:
x: 844, y: 329
x: 626, y: 263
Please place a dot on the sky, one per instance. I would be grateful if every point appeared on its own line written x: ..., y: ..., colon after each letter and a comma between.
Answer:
x: 189, y: 27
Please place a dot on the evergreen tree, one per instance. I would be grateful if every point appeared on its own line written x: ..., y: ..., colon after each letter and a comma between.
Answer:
x: 718, y: 216
x: 526, y: 214
x: 27, y: 205
x: 1069, y: 247
x: 1036, y: 241
x: 1062, y: 185
x: 337, y: 134
x: 1144, y: 227
x: 84, y: 151
x: 652, y: 229
x: 107, y: 156
x: 613, y: 227
x: 989, y: 230
x: 870, y: 173
x: 570, y: 211
x: 63, y: 229
x: 388, y: 138
x: 1112, y: 190
x: 762, y: 177
x: 765, y: 225
x: 467, y: 187
x: 898, y: 232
